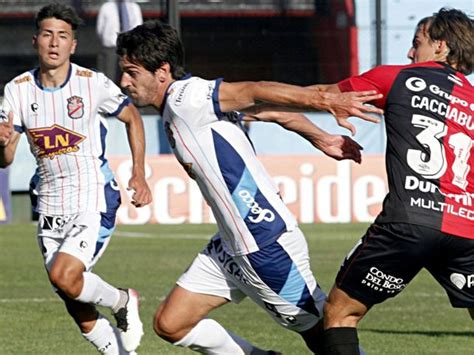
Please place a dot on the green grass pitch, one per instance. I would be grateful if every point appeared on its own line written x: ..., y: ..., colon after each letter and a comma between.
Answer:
x: 151, y: 257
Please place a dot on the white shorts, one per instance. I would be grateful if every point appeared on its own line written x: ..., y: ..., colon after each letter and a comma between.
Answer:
x: 78, y: 235
x: 278, y: 278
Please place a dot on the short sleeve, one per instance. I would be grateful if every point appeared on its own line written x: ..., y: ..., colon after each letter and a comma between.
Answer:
x: 196, y: 95
x: 379, y: 79
x: 111, y: 99
x: 11, y: 103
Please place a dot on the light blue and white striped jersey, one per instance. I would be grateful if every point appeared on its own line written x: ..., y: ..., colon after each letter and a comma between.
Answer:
x: 66, y: 131
x: 215, y: 151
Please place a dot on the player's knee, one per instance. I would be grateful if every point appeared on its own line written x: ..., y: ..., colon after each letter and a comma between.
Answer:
x: 67, y: 280
x: 165, y: 328
x: 342, y: 315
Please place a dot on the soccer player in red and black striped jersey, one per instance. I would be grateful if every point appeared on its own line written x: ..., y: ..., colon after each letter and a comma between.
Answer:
x: 428, y: 215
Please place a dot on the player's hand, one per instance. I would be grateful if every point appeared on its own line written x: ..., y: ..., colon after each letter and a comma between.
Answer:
x: 347, y: 104
x: 341, y: 147
x: 141, y: 195
x: 6, y: 128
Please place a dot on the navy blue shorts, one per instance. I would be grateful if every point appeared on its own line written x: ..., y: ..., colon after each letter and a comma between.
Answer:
x: 390, y: 255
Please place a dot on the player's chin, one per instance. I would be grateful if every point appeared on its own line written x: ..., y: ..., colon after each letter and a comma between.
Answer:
x: 139, y: 103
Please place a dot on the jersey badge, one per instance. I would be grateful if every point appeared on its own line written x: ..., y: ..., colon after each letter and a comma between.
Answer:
x: 415, y: 84
x: 75, y: 107
x: 23, y: 79
x: 84, y: 73
x: 55, y: 140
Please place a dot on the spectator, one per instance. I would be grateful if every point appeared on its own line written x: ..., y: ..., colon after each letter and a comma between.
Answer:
x: 114, y: 16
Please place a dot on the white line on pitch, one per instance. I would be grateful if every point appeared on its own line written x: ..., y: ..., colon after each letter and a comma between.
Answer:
x: 163, y: 236
x: 57, y: 299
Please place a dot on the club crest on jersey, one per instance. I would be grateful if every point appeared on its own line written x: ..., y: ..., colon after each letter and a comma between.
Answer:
x: 55, y: 140
x: 75, y: 107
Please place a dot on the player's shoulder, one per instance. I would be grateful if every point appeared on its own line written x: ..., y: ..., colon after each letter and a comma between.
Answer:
x: 397, y: 68
x: 100, y: 80
x: 190, y: 90
x: 82, y: 72
x: 188, y: 82
x: 23, y: 78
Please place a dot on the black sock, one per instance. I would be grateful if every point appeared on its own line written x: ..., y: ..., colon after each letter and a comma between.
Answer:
x: 341, y: 341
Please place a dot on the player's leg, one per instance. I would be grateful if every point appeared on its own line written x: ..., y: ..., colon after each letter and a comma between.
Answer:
x: 126, y: 311
x: 94, y: 327
x: 342, y: 314
x: 67, y: 267
x: 279, y: 279
x: 314, y: 337
x: 181, y: 318
x: 453, y: 265
x: 82, y: 240
x: 371, y: 273
x: 96, y: 330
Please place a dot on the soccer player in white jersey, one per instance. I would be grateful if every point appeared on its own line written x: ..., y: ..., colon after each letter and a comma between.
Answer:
x: 62, y: 108
x: 258, y: 251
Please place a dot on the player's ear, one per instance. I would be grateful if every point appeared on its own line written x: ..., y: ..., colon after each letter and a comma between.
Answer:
x: 34, y: 41
x: 73, y: 47
x: 440, y: 46
x: 441, y: 49
x: 163, y: 72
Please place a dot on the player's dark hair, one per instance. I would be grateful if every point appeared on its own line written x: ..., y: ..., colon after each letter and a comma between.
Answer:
x: 457, y: 29
x: 151, y: 45
x: 60, y: 12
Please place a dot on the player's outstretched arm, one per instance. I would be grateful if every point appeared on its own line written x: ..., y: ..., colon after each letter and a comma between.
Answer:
x: 9, y: 139
x: 243, y: 95
x: 343, y: 105
x: 136, y: 139
x: 335, y: 146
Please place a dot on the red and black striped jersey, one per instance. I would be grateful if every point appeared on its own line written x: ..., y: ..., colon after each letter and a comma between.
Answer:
x: 430, y: 138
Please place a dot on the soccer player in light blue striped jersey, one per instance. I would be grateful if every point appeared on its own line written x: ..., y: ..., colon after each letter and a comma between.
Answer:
x: 258, y: 251
x: 61, y: 108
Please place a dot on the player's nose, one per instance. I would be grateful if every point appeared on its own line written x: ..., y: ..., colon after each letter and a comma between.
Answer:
x: 124, y: 82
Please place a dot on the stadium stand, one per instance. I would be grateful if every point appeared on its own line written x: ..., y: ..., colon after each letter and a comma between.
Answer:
x: 91, y: 6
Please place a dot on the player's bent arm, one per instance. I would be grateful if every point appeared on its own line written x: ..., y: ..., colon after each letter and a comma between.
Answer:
x: 335, y: 146
x: 136, y: 136
x: 293, y: 121
x: 136, y: 139
x: 7, y: 152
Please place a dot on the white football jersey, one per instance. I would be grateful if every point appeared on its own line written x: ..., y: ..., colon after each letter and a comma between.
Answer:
x: 215, y: 151
x: 66, y: 131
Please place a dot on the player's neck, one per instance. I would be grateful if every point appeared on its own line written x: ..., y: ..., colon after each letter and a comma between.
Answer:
x: 53, y: 77
x: 160, y: 98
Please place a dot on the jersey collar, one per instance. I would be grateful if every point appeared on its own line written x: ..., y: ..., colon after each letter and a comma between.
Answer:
x: 38, y: 82
x: 185, y: 77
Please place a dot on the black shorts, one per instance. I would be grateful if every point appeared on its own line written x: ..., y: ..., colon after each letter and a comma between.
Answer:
x: 389, y: 256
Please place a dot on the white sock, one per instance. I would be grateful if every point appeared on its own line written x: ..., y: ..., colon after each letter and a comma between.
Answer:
x: 103, y: 337
x: 97, y: 291
x: 209, y: 337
